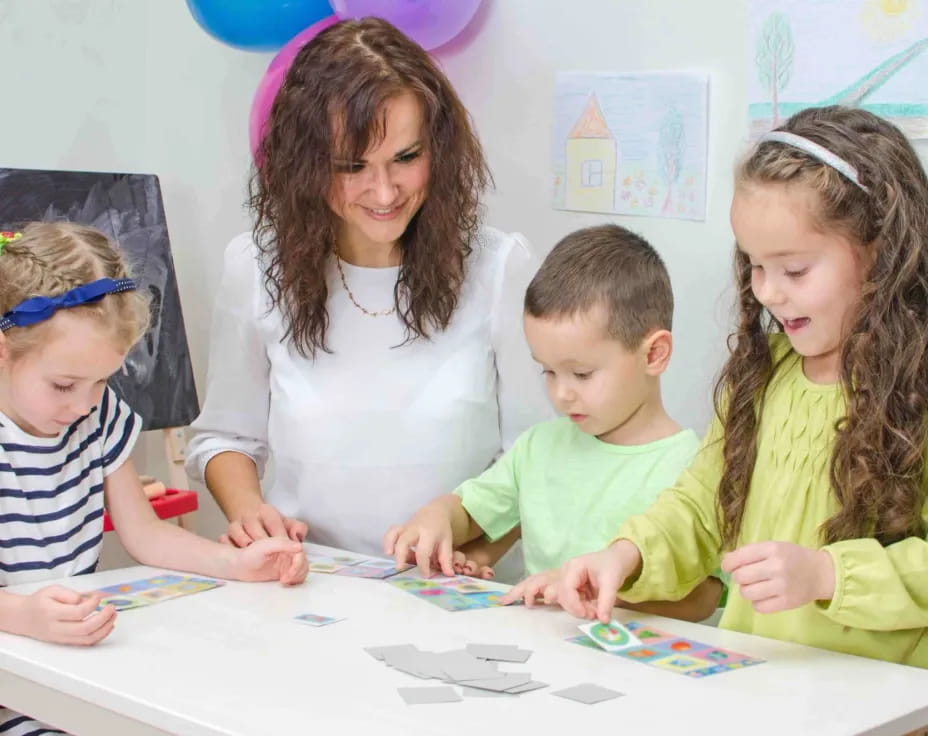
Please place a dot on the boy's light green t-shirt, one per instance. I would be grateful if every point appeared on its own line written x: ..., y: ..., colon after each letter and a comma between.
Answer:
x: 570, y: 491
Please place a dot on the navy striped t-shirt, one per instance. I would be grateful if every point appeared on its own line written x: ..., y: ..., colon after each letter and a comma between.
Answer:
x: 51, y: 503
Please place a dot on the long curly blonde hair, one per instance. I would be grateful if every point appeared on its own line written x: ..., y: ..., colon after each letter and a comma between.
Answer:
x: 877, y: 467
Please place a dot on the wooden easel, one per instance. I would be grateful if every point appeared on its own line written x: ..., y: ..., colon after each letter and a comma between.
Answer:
x: 175, y: 446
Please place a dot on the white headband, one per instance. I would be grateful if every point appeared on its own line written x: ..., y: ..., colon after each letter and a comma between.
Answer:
x: 815, y: 151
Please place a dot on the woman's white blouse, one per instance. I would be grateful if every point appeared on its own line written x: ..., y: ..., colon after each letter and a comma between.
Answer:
x: 361, y: 437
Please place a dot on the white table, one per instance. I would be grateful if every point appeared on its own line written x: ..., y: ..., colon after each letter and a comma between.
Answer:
x: 230, y: 661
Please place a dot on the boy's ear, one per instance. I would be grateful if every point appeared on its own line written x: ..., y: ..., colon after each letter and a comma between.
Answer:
x: 657, y: 348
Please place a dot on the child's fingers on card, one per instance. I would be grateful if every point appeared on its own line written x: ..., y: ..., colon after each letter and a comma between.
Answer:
x: 402, y: 548
x: 424, y: 547
x: 550, y: 594
x: 444, y: 555
x: 606, y: 602
x: 390, y: 537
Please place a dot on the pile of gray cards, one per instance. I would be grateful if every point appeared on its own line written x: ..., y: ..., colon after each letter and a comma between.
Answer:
x: 476, y: 670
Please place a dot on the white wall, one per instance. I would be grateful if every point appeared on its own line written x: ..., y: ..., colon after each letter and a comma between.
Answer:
x: 135, y: 85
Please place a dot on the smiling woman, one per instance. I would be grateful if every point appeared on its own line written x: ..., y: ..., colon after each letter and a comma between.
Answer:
x: 367, y: 336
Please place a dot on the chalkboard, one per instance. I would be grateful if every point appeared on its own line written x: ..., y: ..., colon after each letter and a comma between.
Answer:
x: 157, y: 378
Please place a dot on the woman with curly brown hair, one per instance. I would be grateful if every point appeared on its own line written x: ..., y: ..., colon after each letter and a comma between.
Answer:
x: 367, y: 333
x: 810, y: 488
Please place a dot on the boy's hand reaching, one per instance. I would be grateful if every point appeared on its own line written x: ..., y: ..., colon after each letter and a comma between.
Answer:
x: 589, y: 584
x: 543, y: 585
x: 779, y: 576
x: 62, y: 616
x: 464, y: 566
x: 426, y: 539
x: 274, y: 558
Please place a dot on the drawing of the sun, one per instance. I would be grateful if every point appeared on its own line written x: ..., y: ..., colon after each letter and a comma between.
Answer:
x: 888, y: 20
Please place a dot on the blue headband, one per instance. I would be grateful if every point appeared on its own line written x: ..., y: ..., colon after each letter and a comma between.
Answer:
x: 40, y: 308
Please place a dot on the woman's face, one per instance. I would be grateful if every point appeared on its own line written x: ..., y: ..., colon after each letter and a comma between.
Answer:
x: 377, y: 196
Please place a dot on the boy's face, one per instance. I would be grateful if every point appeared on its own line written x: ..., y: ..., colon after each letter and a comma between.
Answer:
x: 52, y: 385
x: 591, y: 377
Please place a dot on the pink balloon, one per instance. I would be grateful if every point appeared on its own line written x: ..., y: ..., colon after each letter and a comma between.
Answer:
x: 273, y: 79
x: 288, y: 53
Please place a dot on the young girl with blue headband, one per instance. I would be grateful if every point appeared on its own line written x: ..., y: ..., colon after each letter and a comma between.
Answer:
x: 70, y: 314
x: 810, y: 488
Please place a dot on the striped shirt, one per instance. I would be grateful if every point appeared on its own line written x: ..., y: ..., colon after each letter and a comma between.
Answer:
x: 51, y: 503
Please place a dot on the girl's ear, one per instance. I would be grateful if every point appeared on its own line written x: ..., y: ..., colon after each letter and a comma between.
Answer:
x: 658, y: 347
x: 4, y: 348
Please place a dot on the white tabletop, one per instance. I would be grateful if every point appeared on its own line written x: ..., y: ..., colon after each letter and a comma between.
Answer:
x: 230, y: 661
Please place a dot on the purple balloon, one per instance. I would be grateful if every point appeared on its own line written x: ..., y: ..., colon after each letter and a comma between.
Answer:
x: 430, y: 23
x: 273, y: 79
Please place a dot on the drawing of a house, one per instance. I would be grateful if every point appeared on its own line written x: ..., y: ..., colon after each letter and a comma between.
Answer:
x: 592, y: 162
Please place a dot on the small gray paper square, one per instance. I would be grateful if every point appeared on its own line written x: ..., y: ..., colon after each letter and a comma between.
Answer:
x: 421, y: 695
x: 588, y: 693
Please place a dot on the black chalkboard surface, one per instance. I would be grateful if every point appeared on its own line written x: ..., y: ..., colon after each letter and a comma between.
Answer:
x: 157, y: 378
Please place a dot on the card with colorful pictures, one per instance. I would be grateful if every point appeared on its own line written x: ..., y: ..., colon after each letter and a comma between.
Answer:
x: 368, y: 571
x: 144, y: 592
x: 332, y: 563
x: 439, y: 593
x: 612, y: 637
x: 467, y: 586
x: 315, y: 619
x: 675, y: 654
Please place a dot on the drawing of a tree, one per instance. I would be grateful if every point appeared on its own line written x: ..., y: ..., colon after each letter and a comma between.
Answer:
x: 670, y: 156
x: 774, y: 57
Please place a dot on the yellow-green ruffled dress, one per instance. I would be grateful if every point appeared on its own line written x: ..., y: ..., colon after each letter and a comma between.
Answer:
x: 880, y: 606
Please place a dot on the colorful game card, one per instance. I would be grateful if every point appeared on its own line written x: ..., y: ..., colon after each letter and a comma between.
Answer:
x: 138, y: 593
x: 354, y: 566
x: 365, y: 570
x: 467, y: 586
x: 328, y: 565
x: 443, y: 592
x: 612, y: 637
x: 673, y: 653
x: 315, y: 619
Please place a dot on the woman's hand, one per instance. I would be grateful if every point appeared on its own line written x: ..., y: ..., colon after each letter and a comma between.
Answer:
x: 264, y: 522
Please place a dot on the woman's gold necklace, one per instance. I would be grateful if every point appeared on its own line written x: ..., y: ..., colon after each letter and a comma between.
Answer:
x: 341, y: 273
